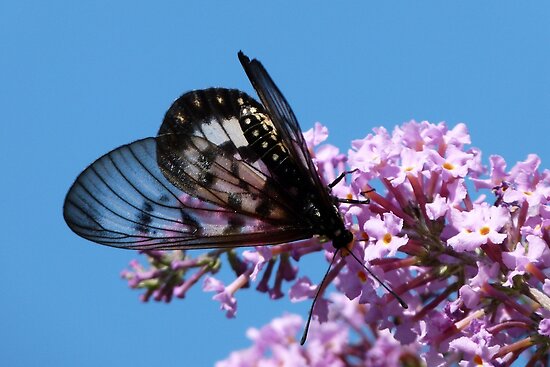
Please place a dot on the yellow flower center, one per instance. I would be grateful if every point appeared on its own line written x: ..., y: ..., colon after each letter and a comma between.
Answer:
x: 484, y: 230
x: 362, y: 276
x: 448, y: 166
x: 387, y: 238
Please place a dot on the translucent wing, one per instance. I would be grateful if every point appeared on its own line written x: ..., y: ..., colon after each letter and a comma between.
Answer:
x: 196, y: 185
x: 286, y: 123
x: 124, y: 200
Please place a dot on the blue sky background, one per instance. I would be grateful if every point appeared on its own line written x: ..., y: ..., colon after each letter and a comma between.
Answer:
x: 80, y: 78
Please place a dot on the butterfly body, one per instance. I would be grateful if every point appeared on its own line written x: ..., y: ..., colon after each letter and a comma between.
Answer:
x: 262, y: 136
x: 223, y: 171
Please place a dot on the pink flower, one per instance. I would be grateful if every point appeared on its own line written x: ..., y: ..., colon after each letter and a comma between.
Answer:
x: 544, y: 327
x: 412, y: 163
x: 478, y: 348
x: 224, y: 295
x: 437, y: 208
x: 454, y: 164
x: 478, y: 226
x: 258, y: 258
x: 316, y: 135
x: 385, y: 233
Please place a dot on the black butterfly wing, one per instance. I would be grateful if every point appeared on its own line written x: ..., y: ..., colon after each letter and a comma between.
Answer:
x: 194, y: 186
x: 285, y: 122
x: 211, y: 114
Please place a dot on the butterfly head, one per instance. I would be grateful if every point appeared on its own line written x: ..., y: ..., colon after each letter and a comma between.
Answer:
x: 341, y: 238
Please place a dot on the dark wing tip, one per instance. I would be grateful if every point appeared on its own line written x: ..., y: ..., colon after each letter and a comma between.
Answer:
x: 243, y: 59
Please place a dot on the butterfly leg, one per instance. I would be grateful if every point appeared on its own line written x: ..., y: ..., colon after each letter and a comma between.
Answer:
x: 340, y: 178
x: 352, y: 201
x: 348, y: 201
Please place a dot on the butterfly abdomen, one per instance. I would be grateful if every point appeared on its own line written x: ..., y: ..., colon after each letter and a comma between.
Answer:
x: 266, y: 143
x: 263, y: 139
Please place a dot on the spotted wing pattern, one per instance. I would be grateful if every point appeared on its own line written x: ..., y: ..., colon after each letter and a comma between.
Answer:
x: 198, y: 184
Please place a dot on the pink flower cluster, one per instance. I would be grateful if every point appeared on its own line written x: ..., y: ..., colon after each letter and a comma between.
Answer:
x: 344, y: 340
x: 472, y: 268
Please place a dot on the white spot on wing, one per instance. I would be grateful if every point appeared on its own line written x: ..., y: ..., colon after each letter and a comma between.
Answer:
x: 217, y: 132
x: 233, y: 128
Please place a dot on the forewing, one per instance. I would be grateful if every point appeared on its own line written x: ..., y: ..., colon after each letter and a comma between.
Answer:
x: 286, y: 123
x: 124, y: 200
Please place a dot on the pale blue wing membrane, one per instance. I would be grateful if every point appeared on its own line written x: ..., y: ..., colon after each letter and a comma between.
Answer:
x: 124, y: 200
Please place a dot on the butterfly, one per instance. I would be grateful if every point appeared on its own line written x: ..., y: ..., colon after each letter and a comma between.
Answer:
x: 224, y: 171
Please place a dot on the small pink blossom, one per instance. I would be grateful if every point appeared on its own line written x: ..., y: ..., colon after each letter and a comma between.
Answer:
x: 544, y: 327
x: 455, y: 163
x: 316, y: 135
x: 385, y: 232
x: 258, y: 257
x: 478, y: 226
x: 437, y: 208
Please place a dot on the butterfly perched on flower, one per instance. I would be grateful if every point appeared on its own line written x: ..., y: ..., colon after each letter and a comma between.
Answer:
x: 223, y: 171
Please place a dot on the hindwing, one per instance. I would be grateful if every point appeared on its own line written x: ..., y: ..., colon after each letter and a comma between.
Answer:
x: 198, y: 184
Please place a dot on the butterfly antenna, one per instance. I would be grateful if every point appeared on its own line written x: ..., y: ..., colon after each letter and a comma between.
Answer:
x: 390, y: 291
x: 321, y: 286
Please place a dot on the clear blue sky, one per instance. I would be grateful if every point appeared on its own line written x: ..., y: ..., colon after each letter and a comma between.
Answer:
x: 78, y: 79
